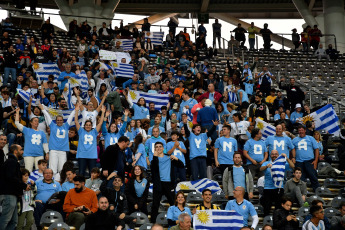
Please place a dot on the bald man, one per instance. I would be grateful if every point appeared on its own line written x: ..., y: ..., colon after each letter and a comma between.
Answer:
x: 243, y: 207
x: 271, y: 192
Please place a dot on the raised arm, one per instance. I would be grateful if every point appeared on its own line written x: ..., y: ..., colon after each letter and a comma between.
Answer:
x: 102, y: 102
x: 29, y: 106
x: 100, y: 123
x: 46, y: 114
x: 19, y: 126
x: 77, y: 125
x: 70, y: 118
x: 77, y: 94
x: 129, y: 101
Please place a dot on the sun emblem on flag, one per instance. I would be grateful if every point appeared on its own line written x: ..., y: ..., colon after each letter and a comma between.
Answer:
x: 73, y: 81
x: 184, y: 187
x: 260, y: 125
x: 53, y: 112
x: 203, y: 217
x: 148, y: 33
x: 307, y: 118
x: 133, y: 95
x: 190, y: 124
x: 36, y: 66
x: 115, y: 64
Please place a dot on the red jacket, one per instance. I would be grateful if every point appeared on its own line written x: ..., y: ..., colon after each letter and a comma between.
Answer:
x: 217, y: 96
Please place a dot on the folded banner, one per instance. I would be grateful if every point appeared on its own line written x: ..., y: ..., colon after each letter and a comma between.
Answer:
x: 324, y: 118
x: 266, y: 129
x: 278, y: 171
x: 199, y: 185
x: 159, y: 99
x: 43, y: 70
x: 81, y: 81
x: 217, y: 220
x: 64, y: 113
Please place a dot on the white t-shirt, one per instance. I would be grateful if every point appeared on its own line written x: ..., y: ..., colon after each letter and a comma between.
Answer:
x: 239, y: 128
x: 87, y: 115
x: 310, y: 226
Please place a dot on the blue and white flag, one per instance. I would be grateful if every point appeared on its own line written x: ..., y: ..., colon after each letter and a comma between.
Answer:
x: 81, y: 81
x: 124, y: 70
x: 156, y: 37
x: 200, y: 185
x: 64, y: 113
x: 43, y: 70
x: 217, y: 220
x: 266, y: 129
x: 67, y: 94
x: 126, y: 44
x: 159, y: 99
x: 105, y: 66
x: 324, y: 119
x: 278, y: 171
x: 25, y: 95
x: 232, y: 97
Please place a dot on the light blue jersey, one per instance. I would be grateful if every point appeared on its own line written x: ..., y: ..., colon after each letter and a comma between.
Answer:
x: 59, y: 137
x: 164, y: 168
x: 197, y: 144
x: 190, y: 102
x: 269, y: 184
x: 294, y: 116
x: 142, y: 159
x: 112, y: 138
x: 245, y: 209
x: 256, y: 150
x: 177, y: 153
x: 140, y: 112
x: 161, y: 130
x: 244, y: 95
x: 34, y: 141
x: 283, y: 144
x: 174, y: 212
x: 305, y: 148
x: 150, y: 145
x: 67, y: 186
x: 45, y: 190
x: 87, y: 145
x: 226, y: 148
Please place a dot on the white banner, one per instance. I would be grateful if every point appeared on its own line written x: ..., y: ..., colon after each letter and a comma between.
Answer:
x: 107, y: 55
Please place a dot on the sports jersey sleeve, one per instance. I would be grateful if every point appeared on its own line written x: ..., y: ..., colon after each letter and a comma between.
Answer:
x: 170, y: 213
x: 247, y: 146
x: 314, y: 143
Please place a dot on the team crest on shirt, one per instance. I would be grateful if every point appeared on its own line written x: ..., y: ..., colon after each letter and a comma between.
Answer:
x: 54, y: 185
x: 244, y: 207
x: 121, y: 198
x: 143, y: 184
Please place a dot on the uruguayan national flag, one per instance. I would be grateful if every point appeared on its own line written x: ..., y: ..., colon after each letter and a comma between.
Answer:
x: 217, y: 220
x: 124, y: 70
x: 65, y: 114
x: 105, y: 66
x: 125, y: 44
x: 159, y: 99
x: 266, y: 129
x: 25, y: 95
x: 81, y: 81
x: 199, y: 185
x: 156, y: 37
x: 232, y: 97
x: 67, y: 94
x: 278, y: 171
x: 324, y: 119
x: 43, y: 70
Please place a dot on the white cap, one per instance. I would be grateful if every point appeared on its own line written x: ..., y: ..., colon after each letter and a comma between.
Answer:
x: 208, y: 102
x: 298, y: 106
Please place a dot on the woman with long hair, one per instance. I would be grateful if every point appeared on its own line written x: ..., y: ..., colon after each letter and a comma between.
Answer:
x: 177, y: 209
x: 140, y: 110
x: 140, y: 156
x: 112, y: 135
x: 137, y: 190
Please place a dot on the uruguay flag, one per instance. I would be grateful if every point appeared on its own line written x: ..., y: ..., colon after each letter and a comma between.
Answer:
x: 266, y: 129
x: 217, y: 220
x: 325, y: 119
x: 278, y: 171
x: 124, y: 70
x: 26, y: 96
x: 81, y: 81
x: 156, y: 37
x: 67, y: 94
x: 43, y: 70
x: 126, y: 44
x: 64, y: 113
x: 159, y: 99
x: 200, y: 185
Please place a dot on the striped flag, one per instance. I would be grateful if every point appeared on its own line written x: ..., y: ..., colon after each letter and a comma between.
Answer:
x: 25, y: 95
x: 324, y: 119
x: 124, y: 70
x: 65, y: 114
x: 266, y: 129
x: 67, y: 94
x: 278, y: 171
x: 81, y: 81
x: 106, y: 66
x: 232, y: 97
x: 43, y: 70
x: 125, y: 44
x: 156, y: 37
x: 159, y: 99
x: 199, y: 185
x: 217, y: 220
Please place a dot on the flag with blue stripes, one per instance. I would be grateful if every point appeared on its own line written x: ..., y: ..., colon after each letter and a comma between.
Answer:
x: 159, y: 99
x: 266, y: 129
x: 124, y: 70
x: 324, y: 119
x: 200, y: 185
x: 232, y: 97
x: 25, y: 95
x: 156, y: 37
x: 64, y: 113
x: 43, y: 70
x: 126, y: 44
x: 67, y: 94
x: 81, y: 81
x: 278, y: 171
x: 217, y: 220
x: 105, y: 66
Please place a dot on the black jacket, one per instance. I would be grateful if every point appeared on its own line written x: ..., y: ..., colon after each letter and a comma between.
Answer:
x: 10, y: 59
x: 11, y: 182
x: 102, y: 220
x: 280, y: 222
x: 132, y: 195
x: 294, y: 93
x: 114, y: 159
x: 115, y: 198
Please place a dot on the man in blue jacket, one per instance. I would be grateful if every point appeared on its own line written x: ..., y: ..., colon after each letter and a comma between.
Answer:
x: 206, y: 116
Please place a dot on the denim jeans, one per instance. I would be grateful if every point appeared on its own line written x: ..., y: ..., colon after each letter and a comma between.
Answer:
x: 9, y: 215
x: 11, y: 138
x: 198, y: 168
x: 251, y: 43
x: 83, y: 163
x: 38, y: 212
x: 7, y: 72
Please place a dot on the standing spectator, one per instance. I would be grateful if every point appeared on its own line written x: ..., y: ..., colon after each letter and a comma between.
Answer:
x: 238, y: 175
x: 243, y: 207
x: 281, y: 143
x: 315, y: 35
x: 11, y: 187
x: 64, y: 76
x: 307, y: 156
x: 177, y: 209
x: 316, y: 222
x: 211, y: 94
x: 87, y: 145
x: 240, y: 34
x: 251, y: 35
x: 150, y: 142
x: 258, y: 109
x: 206, y: 118
x: 36, y: 142
x: 217, y: 33
x: 294, y: 93
x: 178, y: 149
x: 79, y: 203
x: 266, y: 35
x: 295, y: 38
x: 10, y: 65
x: 202, y: 29
x: 172, y: 25
x: 283, y: 218
x: 3, y: 142
x: 271, y: 192
x: 295, y: 188
x: 146, y: 25
x: 265, y: 78
x: 47, y: 30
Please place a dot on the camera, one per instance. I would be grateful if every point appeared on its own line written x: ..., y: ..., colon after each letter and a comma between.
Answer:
x: 85, y: 209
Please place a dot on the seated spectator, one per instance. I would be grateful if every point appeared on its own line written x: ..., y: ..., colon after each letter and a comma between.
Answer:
x: 37, y: 174
x: 295, y: 188
x: 137, y: 190
x: 321, y: 53
x: 316, y: 220
x: 79, y: 203
x: 297, y: 114
x: 332, y: 53
x: 175, y: 211
x: 243, y: 207
x: 206, y: 203
x: 69, y: 184
x: 94, y: 182
x: 310, y: 216
x: 184, y: 222
x: 340, y: 225
x: 283, y: 218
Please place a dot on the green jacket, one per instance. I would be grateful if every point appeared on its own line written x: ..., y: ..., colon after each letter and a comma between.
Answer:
x: 177, y: 227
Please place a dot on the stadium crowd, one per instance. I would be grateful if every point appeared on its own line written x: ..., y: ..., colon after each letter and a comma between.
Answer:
x: 99, y: 171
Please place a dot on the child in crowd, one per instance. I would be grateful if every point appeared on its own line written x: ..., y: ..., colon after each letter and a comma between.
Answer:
x: 94, y: 182
x: 38, y: 173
